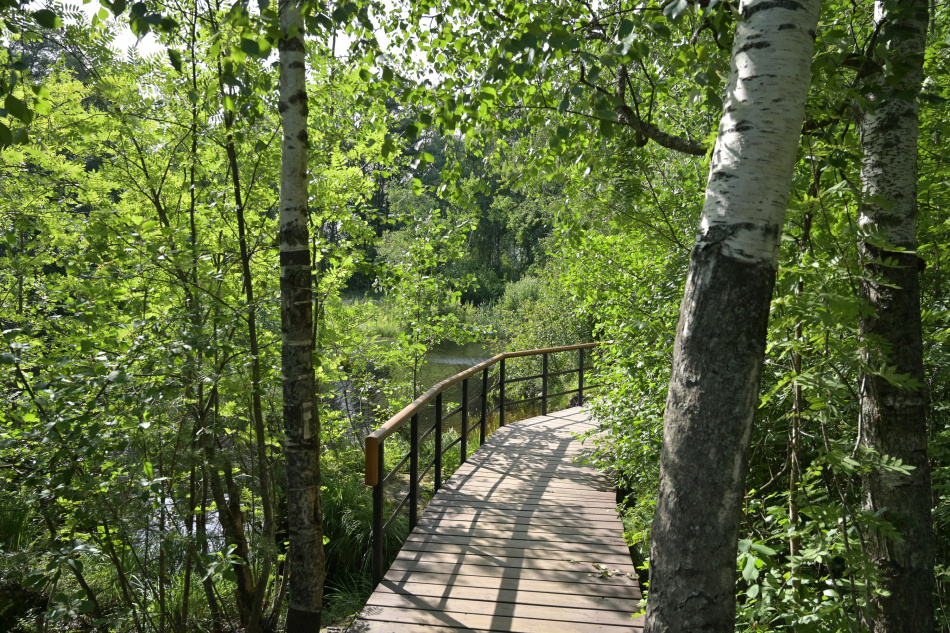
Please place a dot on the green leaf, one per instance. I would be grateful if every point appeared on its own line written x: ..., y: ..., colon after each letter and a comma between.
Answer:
x: 324, y: 21
x: 175, y: 58
x: 167, y: 25
x: 264, y: 47
x: 250, y: 47
x: 675, y: 9
x: 138, y: 11
x: 6, y: 136
x: 389, y: 148
x: 7, y: 358
x: 762, y: 549
x: 18, y: 109
x: 626, y: 28
x: 749, y: 572
x: 47, y: 19
x: 660, y: 29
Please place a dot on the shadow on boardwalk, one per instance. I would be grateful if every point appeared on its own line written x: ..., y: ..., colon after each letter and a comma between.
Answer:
x: 520, y: 539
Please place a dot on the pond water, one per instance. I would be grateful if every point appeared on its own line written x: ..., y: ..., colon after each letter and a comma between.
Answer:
x: 448, y: 359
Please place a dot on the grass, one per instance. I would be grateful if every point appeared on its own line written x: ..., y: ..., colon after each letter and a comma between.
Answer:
x: 348, y: 523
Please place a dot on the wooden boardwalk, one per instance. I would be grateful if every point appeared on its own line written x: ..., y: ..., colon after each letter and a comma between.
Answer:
x: 520, y: 539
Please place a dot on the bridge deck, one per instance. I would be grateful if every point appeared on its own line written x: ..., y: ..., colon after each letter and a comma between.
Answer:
x: 520, y: 539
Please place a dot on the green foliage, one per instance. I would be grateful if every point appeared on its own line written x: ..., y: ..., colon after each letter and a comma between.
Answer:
x: 132, y: 490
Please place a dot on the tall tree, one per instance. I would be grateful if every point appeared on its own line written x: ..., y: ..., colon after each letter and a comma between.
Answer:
x: 301, y: 415
x: 894, y: 415
x: 720, y: 339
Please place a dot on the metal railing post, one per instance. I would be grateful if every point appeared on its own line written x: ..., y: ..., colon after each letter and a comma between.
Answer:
x: 438, y: 443
x: 580, y: 377
x: 484, y: 414
x: 464, y: 442
x: 544, y: 383
x: 378, y: 535
x: 413, y: 471
x: 501, y: 393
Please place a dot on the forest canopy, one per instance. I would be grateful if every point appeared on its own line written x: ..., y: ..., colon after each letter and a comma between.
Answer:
x: 476, y: 177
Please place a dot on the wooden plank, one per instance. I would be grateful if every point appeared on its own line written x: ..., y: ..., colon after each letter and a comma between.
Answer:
x: 569, y: 490
x: 507, y: 610
x: 551, y: 500
x: 407, y: 557
x: 491, y: 540
x: 541, y: 598
x: 524, y: 509
x: 572, y: 552
x: 513, y: 524
x: 402, y: 620
x: 472, y: 517
x: 561, y: 480
x: 560, y: 535
x: 617, y: 586
x: 531, y: 502
x: 460, y: 508
x: 577, y: 573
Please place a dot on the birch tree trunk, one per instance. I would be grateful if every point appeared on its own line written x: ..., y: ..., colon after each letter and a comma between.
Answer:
x: 301, y: 422
x: 720, y: 338
x: 894, y: 418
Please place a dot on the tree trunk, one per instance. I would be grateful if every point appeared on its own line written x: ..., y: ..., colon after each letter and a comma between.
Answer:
x: 301, y: 418
x: 720, y: 338
x: 895, y: 418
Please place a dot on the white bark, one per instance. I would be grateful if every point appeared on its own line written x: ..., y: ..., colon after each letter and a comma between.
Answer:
x: 720, y: 340
x: 751, y: 170
x: 301, y: 420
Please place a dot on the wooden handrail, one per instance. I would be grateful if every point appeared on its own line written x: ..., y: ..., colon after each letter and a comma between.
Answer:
x: 372, y: 442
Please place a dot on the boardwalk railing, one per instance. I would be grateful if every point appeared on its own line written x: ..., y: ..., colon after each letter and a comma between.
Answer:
x: 493, y: 390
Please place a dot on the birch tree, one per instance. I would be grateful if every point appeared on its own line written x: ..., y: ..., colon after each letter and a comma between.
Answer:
x: 301, y: 421
x: 894, y: 416
x: 721, y: 335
